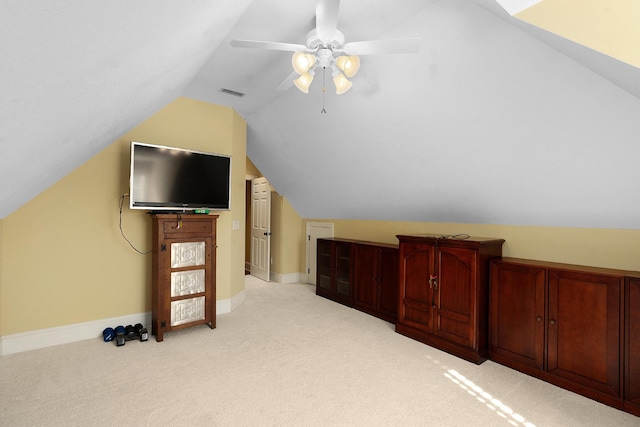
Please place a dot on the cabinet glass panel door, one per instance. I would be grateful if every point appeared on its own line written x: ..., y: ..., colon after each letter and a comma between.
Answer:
x: 323, y: 265
x: 343, y: 269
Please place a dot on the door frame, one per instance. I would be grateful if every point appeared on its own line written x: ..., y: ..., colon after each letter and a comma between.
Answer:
x: 315, y: 230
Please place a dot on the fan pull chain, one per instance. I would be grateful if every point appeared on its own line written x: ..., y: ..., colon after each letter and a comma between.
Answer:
x: 324, y: 89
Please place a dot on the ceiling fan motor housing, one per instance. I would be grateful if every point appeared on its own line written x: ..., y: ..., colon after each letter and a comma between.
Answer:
x: 314, y: 42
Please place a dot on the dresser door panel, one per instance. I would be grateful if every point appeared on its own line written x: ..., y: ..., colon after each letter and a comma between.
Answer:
x: 388, y: 289
x: 517, y: 313
x: 365, y: 276
x: 455, y: 296
x: 584, y: 329
x: 632, y: 350
x: 416, y: 295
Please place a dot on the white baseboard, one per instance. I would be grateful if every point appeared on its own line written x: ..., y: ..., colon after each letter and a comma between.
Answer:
x: 228, y: 305
x: 285, y: 278
x: 32, y: 340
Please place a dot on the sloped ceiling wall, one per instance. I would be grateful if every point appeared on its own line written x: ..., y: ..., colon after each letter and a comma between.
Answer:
x: 76, y: 75
x: 487, y: 124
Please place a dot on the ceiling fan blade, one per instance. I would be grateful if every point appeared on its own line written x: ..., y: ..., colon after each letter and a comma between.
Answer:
x: 375, y: 47
x: 289, y: 47
x: 327, y: 18
x: 287, y: 82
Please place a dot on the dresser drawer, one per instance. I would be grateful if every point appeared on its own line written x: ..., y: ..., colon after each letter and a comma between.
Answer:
x: 192, y: 227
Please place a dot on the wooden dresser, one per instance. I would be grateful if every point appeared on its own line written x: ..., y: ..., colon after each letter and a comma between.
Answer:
x: 444, y: 292
x: 184, y: 272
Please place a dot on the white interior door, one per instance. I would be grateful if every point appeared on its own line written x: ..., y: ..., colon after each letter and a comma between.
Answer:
x: 260, y: 228
x: 315, y: 231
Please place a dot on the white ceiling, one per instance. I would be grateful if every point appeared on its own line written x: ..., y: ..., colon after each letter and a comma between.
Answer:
x: 493, y: 121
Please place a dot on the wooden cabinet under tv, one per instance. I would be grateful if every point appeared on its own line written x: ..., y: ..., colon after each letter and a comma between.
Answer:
x: 359, y: 274
x: 564, y: 324
x: 183, y: 272
x: 443, y: 292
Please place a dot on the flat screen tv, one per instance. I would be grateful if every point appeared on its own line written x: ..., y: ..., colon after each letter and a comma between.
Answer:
x: 174, y: 179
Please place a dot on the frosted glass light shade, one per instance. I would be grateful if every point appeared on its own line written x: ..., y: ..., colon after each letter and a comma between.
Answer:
x: 303, y: 82
x: 302, y: 62
x: 342, y: 84
x: 348, y: 64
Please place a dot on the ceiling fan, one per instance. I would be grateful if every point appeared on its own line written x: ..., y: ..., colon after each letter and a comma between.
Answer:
x: 326, y: 49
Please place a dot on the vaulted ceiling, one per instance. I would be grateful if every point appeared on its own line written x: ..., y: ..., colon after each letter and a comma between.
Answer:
x: 494, y: 120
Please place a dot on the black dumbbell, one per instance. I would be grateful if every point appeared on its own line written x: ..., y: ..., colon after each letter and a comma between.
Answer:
x: 141, y: 331
x: 120, y: 335
x: 130, y: 332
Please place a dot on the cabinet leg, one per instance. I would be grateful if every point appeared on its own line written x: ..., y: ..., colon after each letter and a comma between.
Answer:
x: 157, y: 331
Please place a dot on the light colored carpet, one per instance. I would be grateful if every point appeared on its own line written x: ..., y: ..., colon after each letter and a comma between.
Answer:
x: 286, y: 357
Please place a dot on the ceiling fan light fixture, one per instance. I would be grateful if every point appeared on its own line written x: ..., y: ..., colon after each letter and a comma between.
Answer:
x: 348, y: 64
x: 302, y: 62
x: 304, y: 81
x: 342, y: 83
x: 326, y: 49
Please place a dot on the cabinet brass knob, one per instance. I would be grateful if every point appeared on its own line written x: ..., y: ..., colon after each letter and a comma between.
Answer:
x: 539, y: 318
x: 553, y: 322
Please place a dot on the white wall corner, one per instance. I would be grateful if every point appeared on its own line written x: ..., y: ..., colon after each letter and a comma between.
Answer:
x: 286, y: 278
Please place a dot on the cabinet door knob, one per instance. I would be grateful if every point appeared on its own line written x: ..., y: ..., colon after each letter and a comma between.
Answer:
x: 553, y: 322
x: 433, y: 281
x: 539, y: 318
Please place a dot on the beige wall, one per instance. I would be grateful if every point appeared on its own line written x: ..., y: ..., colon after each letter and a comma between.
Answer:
x: 252, y: 170
x: 235, y: 280
x: 286, y: 236
x: 292, y: 258
x: 610, y: 248
x: 64, y: 260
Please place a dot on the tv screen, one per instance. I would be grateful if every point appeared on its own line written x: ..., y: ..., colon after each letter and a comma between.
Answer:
x: 166, y: 178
